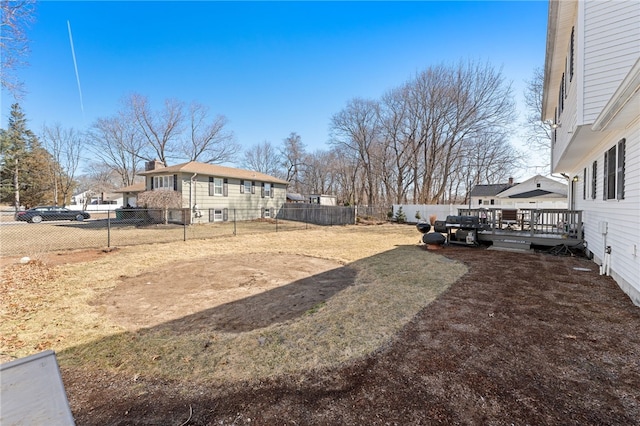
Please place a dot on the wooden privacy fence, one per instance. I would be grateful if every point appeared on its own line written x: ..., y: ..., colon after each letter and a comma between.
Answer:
x: 318, y: 215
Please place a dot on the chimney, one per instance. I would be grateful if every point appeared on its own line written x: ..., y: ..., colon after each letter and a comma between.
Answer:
x: 510, y: 181
x: 153, y: 165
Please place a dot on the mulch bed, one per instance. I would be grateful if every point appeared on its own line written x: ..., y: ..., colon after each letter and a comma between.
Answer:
x: 521, y: 339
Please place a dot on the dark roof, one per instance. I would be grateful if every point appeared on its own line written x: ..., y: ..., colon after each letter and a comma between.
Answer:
x: 489, y: 190
x: 531, y: 194
x: 295, y: 197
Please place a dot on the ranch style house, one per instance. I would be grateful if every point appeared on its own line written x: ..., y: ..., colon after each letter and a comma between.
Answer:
x: 215, y: 193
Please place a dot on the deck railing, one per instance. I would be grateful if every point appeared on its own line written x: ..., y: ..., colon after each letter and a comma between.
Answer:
x: 561, y: 222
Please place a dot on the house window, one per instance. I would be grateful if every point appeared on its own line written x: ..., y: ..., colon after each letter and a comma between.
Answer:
x: 217, y: 186
x: 584, y: 184
x: 610, y: 174
x: 267, y: 190
x: 594, y: 175
x: 492, y: 202
x: 480, y: 202
x: 215, y: 215
x: 266, y: 213
x: 246, y: 187
x: 163, y: 182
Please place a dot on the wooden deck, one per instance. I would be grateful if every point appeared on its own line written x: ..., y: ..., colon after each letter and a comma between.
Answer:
x: 529, y: 228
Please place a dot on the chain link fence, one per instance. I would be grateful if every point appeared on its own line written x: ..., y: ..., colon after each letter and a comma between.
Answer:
x: 124, y: 227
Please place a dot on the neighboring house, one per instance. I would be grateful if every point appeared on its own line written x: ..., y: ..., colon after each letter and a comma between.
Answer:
x: 592, y: 97
x: 487, y: 195
x: 538, y: 192
x: 215, y: 193
x: 91, y: 200
x: 130, y: 194
x: 293, y: 197
x: 323, y: 200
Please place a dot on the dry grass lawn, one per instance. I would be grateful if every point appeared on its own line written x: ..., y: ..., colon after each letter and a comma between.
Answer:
x: 63, y: 307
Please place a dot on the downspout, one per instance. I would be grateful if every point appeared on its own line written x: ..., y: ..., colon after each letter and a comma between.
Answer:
x: 192, y: 206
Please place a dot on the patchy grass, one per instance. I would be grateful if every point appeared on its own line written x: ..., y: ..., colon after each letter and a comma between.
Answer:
x: 54, y: 307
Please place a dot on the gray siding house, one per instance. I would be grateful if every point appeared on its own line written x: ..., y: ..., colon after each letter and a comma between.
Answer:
x: 214, y: 193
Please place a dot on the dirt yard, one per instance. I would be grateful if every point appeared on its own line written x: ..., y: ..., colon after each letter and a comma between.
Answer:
x: 519, y: 339
x: 534, y: 342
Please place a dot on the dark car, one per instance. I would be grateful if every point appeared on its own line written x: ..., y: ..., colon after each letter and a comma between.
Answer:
x: 38, y: 214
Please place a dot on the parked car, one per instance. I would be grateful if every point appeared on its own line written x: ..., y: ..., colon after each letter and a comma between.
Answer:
x: 38, y: 214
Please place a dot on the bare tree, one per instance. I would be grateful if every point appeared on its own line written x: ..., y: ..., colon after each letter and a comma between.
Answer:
x: 118, y: 145
x: 357, y: 128
x: 319, y: 176
x: 65, y: 147
x: 208, y: 140
x: 263, y: 158
x: 400, y: 136
x: 159, y: 129
x: 347, y: 175
x: 293, y: 154
x: 98, y: 178
x: 457, y: 104
x: 162, y: 199
x: 538, y: 132
x: 16, y: 16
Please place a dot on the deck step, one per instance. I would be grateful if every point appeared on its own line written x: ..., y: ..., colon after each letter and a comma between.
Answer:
x: 511, y: 244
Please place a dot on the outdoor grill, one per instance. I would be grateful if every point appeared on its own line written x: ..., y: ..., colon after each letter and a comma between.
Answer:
x: 463, y: 229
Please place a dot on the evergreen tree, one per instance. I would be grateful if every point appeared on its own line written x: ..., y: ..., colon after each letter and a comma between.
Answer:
x: 23, y: 163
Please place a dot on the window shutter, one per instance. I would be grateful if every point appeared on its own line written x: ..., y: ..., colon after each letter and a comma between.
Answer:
x: 175, y: 182
x: 584, y: 184
x: 262, y: 212
x: 273, y: 189
x: 242, y: 186
x: 225, y: 215
x: 151, y: 179
x: 571, y: 53
x: 253, y: 187
x: 262, y: 190
x: 225, y: 187
x: 211, y: 187
x: 621, y: 154
x: 271, y: 213
x: 594, y: 180
x: 212, y: 215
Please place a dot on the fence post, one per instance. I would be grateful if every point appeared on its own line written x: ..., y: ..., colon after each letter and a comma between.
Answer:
x: 184, y: 224
x: 108, y: 228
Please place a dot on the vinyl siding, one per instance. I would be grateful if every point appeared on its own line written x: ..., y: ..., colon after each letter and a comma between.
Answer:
x: 247, y: 205
x: 611, y: 46
x: 621, y: 215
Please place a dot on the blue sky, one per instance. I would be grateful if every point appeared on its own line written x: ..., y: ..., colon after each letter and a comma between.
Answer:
x: 271, y: 68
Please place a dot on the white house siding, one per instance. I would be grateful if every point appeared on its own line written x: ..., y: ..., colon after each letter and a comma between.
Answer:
x: 611, y: 46
x: 621, y: 216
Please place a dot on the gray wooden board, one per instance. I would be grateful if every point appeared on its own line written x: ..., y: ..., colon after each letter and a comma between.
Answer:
x: 32, y: 392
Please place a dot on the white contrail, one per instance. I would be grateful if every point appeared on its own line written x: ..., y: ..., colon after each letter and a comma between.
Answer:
x: 75, y: 65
